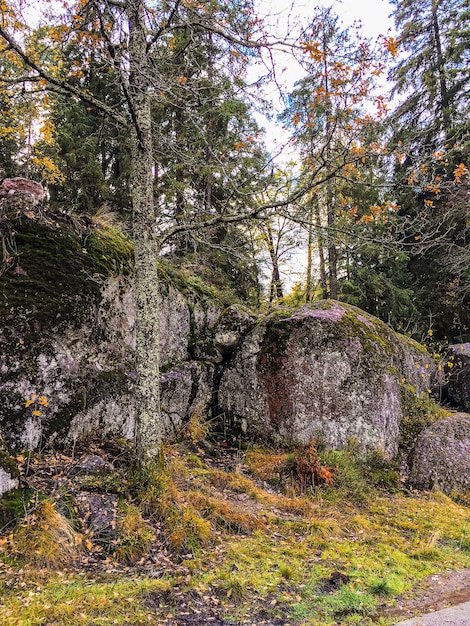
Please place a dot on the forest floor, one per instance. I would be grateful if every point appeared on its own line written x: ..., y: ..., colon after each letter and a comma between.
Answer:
x: 222, y: 536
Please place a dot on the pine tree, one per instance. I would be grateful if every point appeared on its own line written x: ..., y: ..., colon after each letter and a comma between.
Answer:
x: 431, y: 133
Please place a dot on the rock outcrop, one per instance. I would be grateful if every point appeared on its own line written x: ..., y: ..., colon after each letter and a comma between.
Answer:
x: 327, y: 371
x: 442, y: 456
x: 67, y: 339
x: 23, y: 186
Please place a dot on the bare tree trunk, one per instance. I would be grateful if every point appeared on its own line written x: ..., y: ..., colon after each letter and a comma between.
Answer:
x: 444, y: 92
x: 309, y: 283
x: 148, y: 428
x: 321, y: 251
x: 275, y: 289
x: 332, y: 253
x: 330, y: 209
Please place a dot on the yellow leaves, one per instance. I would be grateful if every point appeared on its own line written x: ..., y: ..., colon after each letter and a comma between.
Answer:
x: 36, y: 402
x: 50, y: 172
x: 429, y: 203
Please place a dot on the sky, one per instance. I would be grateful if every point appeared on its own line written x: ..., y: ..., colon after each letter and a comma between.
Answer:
x: 280, y: 17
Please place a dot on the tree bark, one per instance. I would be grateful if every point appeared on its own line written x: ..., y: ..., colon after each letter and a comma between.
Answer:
x: 321, y: 251
x: 148, y: 427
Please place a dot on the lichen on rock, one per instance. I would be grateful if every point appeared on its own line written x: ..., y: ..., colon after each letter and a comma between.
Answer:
x: 441, y: 457
x: 327, y: 371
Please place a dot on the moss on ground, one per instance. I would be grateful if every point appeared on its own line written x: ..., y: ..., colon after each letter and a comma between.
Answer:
x: 247, y: 554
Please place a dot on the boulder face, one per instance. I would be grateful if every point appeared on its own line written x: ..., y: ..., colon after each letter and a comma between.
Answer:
x: 23, y: 186
x: 67, y: 339
x: 327, y: 371
x: 442, y: 456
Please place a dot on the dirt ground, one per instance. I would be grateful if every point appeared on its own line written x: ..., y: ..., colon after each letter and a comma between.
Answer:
x: 438, y: 591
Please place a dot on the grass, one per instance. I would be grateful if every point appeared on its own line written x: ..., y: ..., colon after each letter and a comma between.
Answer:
x: 249, y: 549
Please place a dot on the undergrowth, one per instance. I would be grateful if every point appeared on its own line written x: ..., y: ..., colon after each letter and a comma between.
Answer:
x: 247, y: 537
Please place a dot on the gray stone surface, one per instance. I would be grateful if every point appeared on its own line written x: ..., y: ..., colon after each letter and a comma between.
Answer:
x: 454, y: 616
x: 327, y: 371
x: 7, y: 482
x: 441, y: 457
x: 86, y: 372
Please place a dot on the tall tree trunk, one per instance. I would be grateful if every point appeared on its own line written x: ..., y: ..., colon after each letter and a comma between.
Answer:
x: 148, y: 428
x: 332, y: 252
x: 443, y: 90
x: 309, y: 283
x: 275, y: 289
x: 321, y: 251
x: 330, y: 209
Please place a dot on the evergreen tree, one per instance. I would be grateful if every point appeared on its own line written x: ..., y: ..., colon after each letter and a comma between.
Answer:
x: 431, y: 135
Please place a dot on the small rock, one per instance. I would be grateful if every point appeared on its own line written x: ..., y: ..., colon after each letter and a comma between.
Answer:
x: 25, y: 186
x: 98, y: 511
x: 92, y: 464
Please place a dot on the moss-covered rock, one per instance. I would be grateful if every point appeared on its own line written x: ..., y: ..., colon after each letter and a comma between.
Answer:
x: 67, y: 331
x: 327, y: 371
x: 441, y: 458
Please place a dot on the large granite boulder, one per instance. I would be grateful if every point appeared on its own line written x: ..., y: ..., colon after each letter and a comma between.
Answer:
x: 67, y: 337
x: 441, y: 457
x: 327, y: 371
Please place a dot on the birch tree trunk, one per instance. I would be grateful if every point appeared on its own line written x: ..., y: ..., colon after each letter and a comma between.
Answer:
x: 148, y: 427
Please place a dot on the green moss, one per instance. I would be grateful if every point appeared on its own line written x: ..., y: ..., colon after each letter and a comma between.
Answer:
x: 419, y: 412
x: 58, y: 272
x: 193, y: 286
x: 14, y: 505
x: 9, y: 464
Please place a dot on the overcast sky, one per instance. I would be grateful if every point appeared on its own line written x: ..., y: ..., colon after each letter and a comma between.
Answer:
x: 282, y: 18
x: 374, y: 14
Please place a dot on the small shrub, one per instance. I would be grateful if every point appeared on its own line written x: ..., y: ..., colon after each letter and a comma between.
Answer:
x: 134, y: 534
x: 307, y: 470
x: 44, y: 538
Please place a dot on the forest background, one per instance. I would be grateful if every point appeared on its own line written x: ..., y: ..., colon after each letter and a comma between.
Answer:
x: 147, y: 115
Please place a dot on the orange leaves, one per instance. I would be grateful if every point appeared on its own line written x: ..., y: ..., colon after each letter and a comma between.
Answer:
x: 296, y: 119
x: 391, y: 45
x: 459, y: 172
